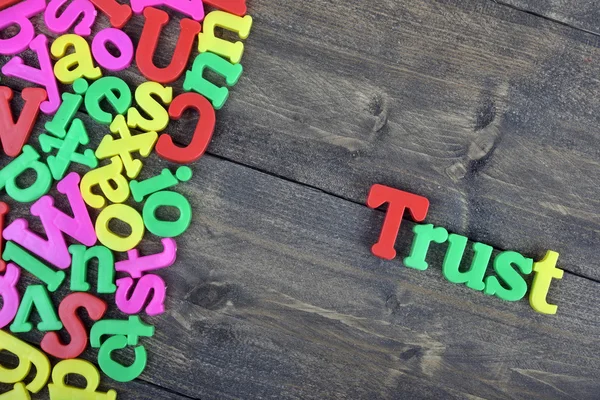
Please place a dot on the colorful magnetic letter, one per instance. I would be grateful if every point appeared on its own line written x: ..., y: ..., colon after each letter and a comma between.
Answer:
x: 237, y: 7
x: 194, y: 79
x: 60, y: 390
x: 165, y: 180
x: 78, y: 64
x: 118, y: 14
x: 473, y: 278
x: 53, y: 279
x: 202, y: 134
x: 15, y: 135
x: 192, y: 8
x: 159, y: 117
x: 43, y: 76
x: 207, y: 41
x: 167, y: 228
x: 545, y: 271
x: 68, y: 108
x: 126, y: 214
x: 9, y: 294
x: 28, y: 159
x: 136, y: 265
x: 19, y: 392
x: 75, y: 10
x: 398, y: 201
x: 67, y: 150
x: 133, y: 328
x: 114, y: 369
x: 121, y: 41
x: 155, y: 21
x: 79, y: 268
x: 127, y: 144
x: 117, y: 192
x: 424, y: 235
x: 104, y: 88
x: 19, y: 14
x: 28, y: 356
x: 36, y: 295
x: 67, y: 310
x: 133, y: 303
x: 55, y: 223
x: 4, y: 209
x: 503, y: 265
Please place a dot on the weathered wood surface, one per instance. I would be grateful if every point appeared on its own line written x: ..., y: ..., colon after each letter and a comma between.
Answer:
x: 486, y: 110
x: 276, y: 295
x: 581, y: 14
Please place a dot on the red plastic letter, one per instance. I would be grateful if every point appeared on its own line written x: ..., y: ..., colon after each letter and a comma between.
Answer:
x: 118, y: 14
x: 14, y: 136
x: 67, y: 311
x: 155, y: 21
x: 202, y: 134
x: 237, y: 7
x: 398, y: 201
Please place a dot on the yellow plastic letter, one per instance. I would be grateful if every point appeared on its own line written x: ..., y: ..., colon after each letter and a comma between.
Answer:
x: 18, y: 393
x: 159, y: 117
x: 28, y: 356
x: 126, y: 214
x: 59, y: 390
x: 208, y: 42
x: 103, y: 176
x: 545, y: 270
x: 79, y: 64
x: 142, y: 143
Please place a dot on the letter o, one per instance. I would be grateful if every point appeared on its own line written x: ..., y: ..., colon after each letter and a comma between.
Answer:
x: 118, y: 38
x: 167, y: 228
x: 126, y: 214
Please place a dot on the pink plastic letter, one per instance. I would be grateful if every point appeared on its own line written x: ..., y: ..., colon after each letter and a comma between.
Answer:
x: 43, y: 76
x: 9, y: 293
x: 121, y: 41
x: 64, y: 22
x: 137, y: 265
x: 192, y: 8
x: 19, y: 14
x: 135, y: 303
x: 56, y: 222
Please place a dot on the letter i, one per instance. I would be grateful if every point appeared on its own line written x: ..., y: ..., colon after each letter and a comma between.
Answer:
x: 69, y: 107
x: 159, y: 182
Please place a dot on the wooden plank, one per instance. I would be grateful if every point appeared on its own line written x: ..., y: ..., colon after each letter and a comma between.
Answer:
x: 583, y: 14
x: 485, y: 110
x: 276, y: 295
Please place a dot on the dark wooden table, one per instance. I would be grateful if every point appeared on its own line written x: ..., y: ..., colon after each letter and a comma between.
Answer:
x: 491, y: 109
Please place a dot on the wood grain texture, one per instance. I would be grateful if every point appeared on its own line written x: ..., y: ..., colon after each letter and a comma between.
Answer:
x: 582, y: 14
x: 275, y: 295
x: 487, y: 111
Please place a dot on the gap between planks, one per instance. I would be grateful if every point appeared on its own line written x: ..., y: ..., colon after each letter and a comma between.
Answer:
x: 557, y: 21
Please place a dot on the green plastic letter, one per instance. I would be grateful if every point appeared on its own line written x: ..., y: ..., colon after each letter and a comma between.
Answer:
x: 424, y: 235
x: 503, y: 265
x: 454, y: 255
x: 36, y: 295
x: 79, y: 268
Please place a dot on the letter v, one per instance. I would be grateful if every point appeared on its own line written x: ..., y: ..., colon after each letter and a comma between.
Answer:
x: 55, y: 223
x: 15, y: 135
